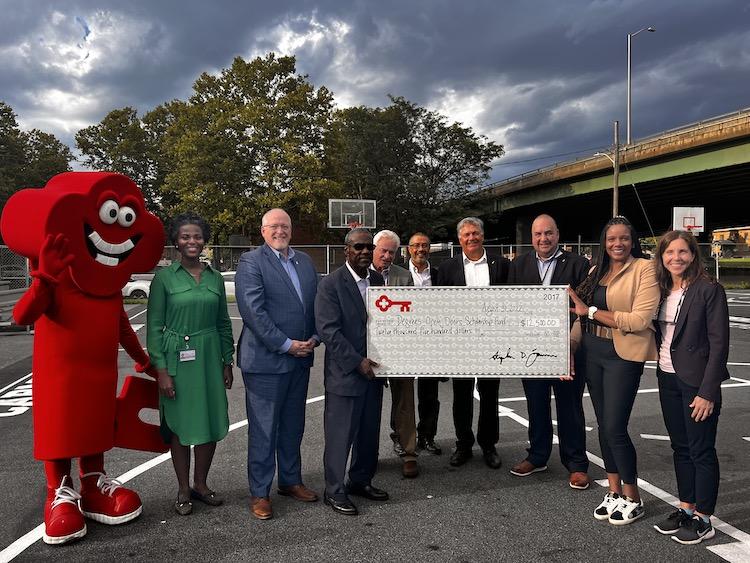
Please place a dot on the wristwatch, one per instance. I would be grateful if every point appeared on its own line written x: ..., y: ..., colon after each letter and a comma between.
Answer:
x: 592, y: 311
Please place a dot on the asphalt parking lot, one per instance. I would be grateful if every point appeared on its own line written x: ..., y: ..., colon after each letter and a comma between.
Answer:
x: 471, y: 513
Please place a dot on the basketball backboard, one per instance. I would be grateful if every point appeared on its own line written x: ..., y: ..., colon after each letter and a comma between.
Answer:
x: 351, y: 213
x: 688, y: 219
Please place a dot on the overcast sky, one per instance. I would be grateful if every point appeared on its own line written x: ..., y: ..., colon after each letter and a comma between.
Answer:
x: 544, y: 78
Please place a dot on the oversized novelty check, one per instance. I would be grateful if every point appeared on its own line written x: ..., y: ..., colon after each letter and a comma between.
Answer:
x: 506, y: 331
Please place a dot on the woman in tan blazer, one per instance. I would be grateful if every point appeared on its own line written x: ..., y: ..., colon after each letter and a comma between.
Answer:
x: 616, y: 305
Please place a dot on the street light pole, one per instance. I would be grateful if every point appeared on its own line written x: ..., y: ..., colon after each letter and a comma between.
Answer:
x: 630, y: 38
x: 615, y: 160
x: 616, y: 172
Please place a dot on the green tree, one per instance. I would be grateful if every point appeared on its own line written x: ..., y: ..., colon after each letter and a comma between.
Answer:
x: 415, y: 164
x: 250, y: 138
x: 122, y: 142
x: 12, y: 153
x: 45, y: 157
x: 27, y: 159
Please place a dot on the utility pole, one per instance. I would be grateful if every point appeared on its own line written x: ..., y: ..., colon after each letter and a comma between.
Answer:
x: 616, y: 172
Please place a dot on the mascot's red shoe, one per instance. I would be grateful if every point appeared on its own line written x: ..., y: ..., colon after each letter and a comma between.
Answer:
x: 105, y: 500
x: 63, y: 520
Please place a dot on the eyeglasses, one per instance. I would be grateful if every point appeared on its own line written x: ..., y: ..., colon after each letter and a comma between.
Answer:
x: 420, y: 245
x: 359, y: 246
x: 276, y: 227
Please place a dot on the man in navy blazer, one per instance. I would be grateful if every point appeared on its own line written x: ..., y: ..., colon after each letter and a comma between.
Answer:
x: 548, y: 264
x: 353, y: 397
x: 275, y: 289
x: 474, y: 267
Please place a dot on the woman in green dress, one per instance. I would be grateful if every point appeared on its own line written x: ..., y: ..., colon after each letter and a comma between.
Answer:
x: 190, y: 343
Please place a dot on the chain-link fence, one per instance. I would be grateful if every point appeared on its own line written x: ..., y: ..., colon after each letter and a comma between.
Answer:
x: 734, y: 269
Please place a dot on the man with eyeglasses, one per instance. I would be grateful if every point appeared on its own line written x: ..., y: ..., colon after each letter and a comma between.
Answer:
x: 548, y: 264
x: 353, y: 396
x: 275, y: 288
x: 403, y: 424
x: 424, y: 275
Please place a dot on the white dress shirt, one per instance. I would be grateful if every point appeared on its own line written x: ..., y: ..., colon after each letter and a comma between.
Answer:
x: 421, y: 279
x: 477, y: 272
x: 362, y: 283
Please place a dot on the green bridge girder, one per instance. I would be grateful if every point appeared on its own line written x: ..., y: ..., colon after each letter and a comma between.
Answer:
x: 683, y: 164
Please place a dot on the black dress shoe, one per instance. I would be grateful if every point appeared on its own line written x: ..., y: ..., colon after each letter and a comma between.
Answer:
x: 367, y: 491
x: 429, y: 446
x: 492, y: 458
x: 460, y: 456
x: 345, y: 507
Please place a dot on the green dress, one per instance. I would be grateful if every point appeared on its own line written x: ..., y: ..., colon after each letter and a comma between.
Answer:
x: 192, y: 318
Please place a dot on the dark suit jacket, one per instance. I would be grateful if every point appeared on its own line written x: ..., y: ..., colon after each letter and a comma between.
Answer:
x: 271, y: 310
x: 451, y: 271
x: 341, y: 320
x: 700, y: 345
x: 569, y: 269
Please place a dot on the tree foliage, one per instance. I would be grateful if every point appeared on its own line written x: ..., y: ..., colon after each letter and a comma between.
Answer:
x: 122, y: 142
x: 409, y: 159
x: 27, y: 159
x: 249, y: 139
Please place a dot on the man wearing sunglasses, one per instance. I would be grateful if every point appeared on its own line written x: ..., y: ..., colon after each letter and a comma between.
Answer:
x: 353, y: 396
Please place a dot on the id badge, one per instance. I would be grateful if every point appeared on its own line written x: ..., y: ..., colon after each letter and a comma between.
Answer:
x: 187, y: 355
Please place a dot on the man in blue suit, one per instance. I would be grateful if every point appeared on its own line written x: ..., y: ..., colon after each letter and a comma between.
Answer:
x: 354, y: 398
x: 275, y: 289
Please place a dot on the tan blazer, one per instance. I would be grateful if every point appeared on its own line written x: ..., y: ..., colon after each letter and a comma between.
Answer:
x: 633, y: 295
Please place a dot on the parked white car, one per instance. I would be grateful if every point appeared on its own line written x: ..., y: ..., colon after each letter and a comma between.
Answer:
x: 138, y: 288
x: 228, y: 282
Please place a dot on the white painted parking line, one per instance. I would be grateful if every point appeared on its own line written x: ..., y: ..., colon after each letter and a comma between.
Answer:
x: 30, y: 538
x: 738, y: 553
x: 16, y: 382
x: 655, y: 437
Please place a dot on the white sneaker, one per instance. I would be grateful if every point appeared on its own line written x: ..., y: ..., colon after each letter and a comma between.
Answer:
x: 607, y: 506
x: 626, y: 512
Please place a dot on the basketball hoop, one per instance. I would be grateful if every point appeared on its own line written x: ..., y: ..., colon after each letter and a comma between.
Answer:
x: 353, y: 225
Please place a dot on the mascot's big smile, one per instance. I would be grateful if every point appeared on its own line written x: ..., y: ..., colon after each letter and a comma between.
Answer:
x: 108, y: 253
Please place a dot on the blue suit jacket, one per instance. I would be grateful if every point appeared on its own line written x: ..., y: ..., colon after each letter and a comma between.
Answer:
x: 341, y: 320
x: 272, y: 311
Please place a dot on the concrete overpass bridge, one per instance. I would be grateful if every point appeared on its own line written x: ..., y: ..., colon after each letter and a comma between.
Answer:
x: 705, y: 164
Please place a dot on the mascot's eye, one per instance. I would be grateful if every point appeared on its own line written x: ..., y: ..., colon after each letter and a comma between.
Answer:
x: 108, y: 212
x: 126, y: 217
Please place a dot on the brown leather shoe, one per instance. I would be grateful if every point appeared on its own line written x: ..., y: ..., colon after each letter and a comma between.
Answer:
x: 299, y: 492
x: 410, y: 469
x: 526, y: 468
x: 261, y: 508
x: 579, y: 480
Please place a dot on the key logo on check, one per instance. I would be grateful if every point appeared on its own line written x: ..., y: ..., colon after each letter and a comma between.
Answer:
x: 384, y: 303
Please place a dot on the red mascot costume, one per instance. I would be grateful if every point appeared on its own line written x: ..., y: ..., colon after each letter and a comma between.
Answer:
x: 85, y: 233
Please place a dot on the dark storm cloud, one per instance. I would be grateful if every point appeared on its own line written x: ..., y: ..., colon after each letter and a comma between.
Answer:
x: 543, y: 78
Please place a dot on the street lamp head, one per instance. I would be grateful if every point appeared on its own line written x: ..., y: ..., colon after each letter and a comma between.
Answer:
x: 651, y: 29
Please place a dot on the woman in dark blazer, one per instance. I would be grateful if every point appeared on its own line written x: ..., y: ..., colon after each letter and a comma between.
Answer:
x: 692, y: 333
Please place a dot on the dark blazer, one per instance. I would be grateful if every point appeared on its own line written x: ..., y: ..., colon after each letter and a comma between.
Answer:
x: 451, y: 271
x: 700, y: 345
x: 569, y: 269
x: 271, y: 310
x: 341, y: 320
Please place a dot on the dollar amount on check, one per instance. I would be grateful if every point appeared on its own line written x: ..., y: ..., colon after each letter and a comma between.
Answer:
x: 505, y: 331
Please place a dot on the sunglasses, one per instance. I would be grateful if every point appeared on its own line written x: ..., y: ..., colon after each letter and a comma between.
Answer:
x: 359, y: 246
